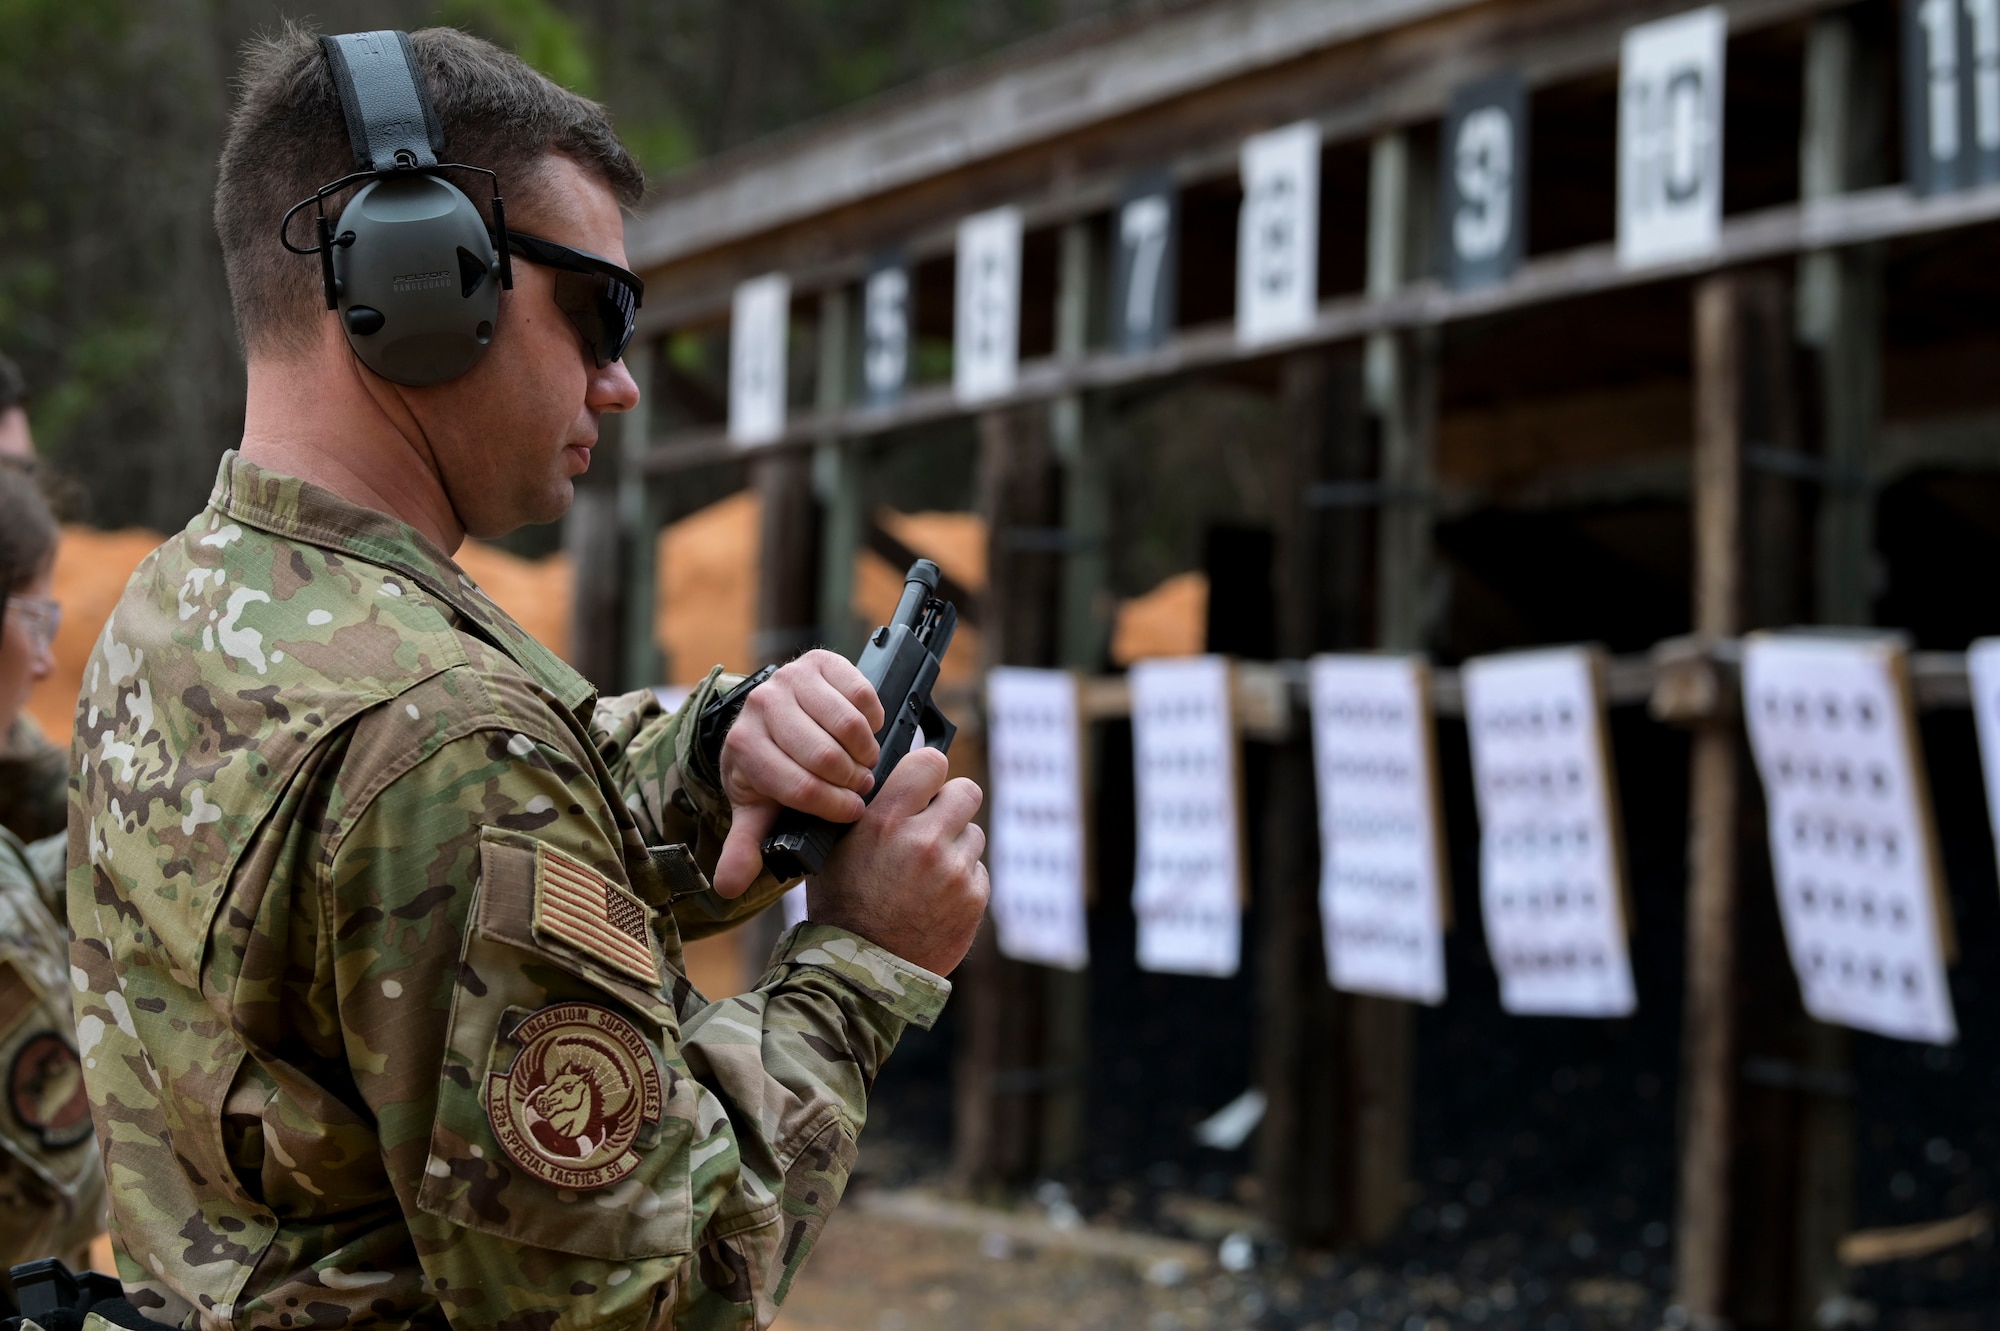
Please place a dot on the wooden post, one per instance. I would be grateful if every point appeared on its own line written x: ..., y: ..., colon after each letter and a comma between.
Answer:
x: 840, y: 482
x: 597, y: 608
x: 1003, y: 1071
x: 1710, y: 1045
x: 1765, y: 1172
x: 1083, y: 628
x: 1307, y: 1155
x: 639, y: 521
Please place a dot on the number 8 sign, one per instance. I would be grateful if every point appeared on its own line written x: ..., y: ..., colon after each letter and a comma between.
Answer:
x: 1670, y: 139
x: 1485, y: 182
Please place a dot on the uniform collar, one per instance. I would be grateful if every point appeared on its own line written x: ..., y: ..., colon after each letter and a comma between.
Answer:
x: 301, y: 511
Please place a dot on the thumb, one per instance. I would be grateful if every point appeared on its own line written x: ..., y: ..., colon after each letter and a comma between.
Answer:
x: 742, y: 857
x: 914, y: 784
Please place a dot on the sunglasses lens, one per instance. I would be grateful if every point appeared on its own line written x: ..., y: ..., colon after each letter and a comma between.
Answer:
x: 601, y: 309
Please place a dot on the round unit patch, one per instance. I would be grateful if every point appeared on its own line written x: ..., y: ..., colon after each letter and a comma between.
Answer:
x: 45, y: 1087
x: 568, y: 1109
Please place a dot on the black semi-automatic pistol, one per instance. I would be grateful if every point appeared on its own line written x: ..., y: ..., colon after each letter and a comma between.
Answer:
x: 901, y: 661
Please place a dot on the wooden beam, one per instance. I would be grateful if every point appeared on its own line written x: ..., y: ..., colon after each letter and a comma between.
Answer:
x: 1088, y: 97
x: 1793, y: 229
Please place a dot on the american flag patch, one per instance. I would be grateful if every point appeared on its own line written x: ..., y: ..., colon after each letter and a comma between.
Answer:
x: 577, y: 905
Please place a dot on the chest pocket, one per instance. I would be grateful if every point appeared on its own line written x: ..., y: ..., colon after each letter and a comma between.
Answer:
x: 561, y: 1121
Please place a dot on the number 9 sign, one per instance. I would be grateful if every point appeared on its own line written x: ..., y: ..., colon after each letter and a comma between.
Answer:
x: 1485, y: 182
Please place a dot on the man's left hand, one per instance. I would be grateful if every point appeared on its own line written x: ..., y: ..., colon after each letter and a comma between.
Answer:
x: 805, y: 740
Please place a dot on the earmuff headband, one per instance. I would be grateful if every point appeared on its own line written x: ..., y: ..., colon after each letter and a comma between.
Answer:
x: 390, y: 119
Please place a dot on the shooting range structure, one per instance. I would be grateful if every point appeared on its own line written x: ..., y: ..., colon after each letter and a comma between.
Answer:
x: 1671, y: 454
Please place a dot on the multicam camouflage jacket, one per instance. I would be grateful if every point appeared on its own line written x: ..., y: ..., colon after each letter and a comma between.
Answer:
x: 378, y: 927
x: 51, y: 1188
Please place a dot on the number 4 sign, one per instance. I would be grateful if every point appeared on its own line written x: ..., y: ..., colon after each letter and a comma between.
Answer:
x: 1951, y: 90
x: 1670, y: 139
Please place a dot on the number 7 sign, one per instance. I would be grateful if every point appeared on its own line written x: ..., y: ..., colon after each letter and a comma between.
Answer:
x: 1143, y: 286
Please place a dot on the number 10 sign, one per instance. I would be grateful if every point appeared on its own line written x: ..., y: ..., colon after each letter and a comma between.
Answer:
x: 1670, y: 139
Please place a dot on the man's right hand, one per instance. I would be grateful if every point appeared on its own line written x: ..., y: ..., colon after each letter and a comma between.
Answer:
x: 907, y: 877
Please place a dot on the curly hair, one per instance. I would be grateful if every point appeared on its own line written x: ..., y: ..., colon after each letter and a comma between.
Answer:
x: 287, y: 138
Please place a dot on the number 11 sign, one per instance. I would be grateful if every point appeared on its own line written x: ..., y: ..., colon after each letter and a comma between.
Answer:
x: 1951, y: 93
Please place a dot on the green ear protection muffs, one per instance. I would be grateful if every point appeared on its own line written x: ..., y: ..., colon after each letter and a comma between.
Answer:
x: 410, y: 264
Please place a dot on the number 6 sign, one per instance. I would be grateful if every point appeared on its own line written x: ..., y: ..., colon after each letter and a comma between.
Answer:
x: 1670, y: 139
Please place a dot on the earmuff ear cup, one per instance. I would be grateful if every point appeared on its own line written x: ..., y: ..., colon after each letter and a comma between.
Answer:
x: 416, y: 286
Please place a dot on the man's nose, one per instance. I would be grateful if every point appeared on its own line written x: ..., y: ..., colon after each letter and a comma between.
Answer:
x: 612, y: 388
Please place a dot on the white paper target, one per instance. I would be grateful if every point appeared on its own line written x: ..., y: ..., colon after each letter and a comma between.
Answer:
x: 1381, y: 887
x: 986, y: 343
x: 758, y: 325
x: 1034, y: 738
x: 1189, y: 891
x: 1851, y: 841
x: 1552, y: 878
x: 1982, y: 665
x: 1277, y: 237
x: 1670, y: 138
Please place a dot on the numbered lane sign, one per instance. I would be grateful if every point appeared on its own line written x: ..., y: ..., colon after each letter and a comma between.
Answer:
x: 1142, y: 282
x: 1277, y: 235
x: 1034, y: 746
x: 759, y: 322
x: 1951, y: 93
x: 1852, y: 847
x: 1485, y: 194
x: 1670, y: 139
x: 986, y: 347
x: 885, y: 331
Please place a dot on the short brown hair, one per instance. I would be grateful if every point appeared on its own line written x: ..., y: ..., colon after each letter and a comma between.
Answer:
x: 287, y: 138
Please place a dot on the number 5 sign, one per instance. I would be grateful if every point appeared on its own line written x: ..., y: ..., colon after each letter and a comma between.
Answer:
x: 1951, y: 91
x: 1670, y: 139
x: 1486, y: 181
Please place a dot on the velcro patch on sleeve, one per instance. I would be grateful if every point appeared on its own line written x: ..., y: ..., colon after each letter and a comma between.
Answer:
x: 576, y: 905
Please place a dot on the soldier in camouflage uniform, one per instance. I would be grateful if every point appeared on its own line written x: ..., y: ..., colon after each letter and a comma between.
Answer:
x: 379, y: 912
x: 51, y: 1186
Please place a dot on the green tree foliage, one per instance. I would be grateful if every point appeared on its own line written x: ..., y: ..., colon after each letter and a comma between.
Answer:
x: 112, y: 112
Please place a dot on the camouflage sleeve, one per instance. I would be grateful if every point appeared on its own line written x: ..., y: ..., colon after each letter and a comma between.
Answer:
x: 51, y: 1185
x: 568, y: 1150
x: 672, y: 790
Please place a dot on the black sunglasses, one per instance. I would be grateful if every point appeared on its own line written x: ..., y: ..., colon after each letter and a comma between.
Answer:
x: 600, y: 299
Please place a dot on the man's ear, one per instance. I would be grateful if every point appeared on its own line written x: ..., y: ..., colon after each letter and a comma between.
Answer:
x: 15, y: 439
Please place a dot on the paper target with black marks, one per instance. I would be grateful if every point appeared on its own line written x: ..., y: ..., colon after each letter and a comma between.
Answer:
x: 1551, y: 856
x: 1189, y: 891
x: 1034, y: 747
x: 1982, y: 667
x: 1382, y: 883
x: 1852, y: 845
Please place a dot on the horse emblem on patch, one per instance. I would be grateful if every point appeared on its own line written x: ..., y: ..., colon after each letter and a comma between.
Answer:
x: 45, y: 1086
x: 568, y: 1109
